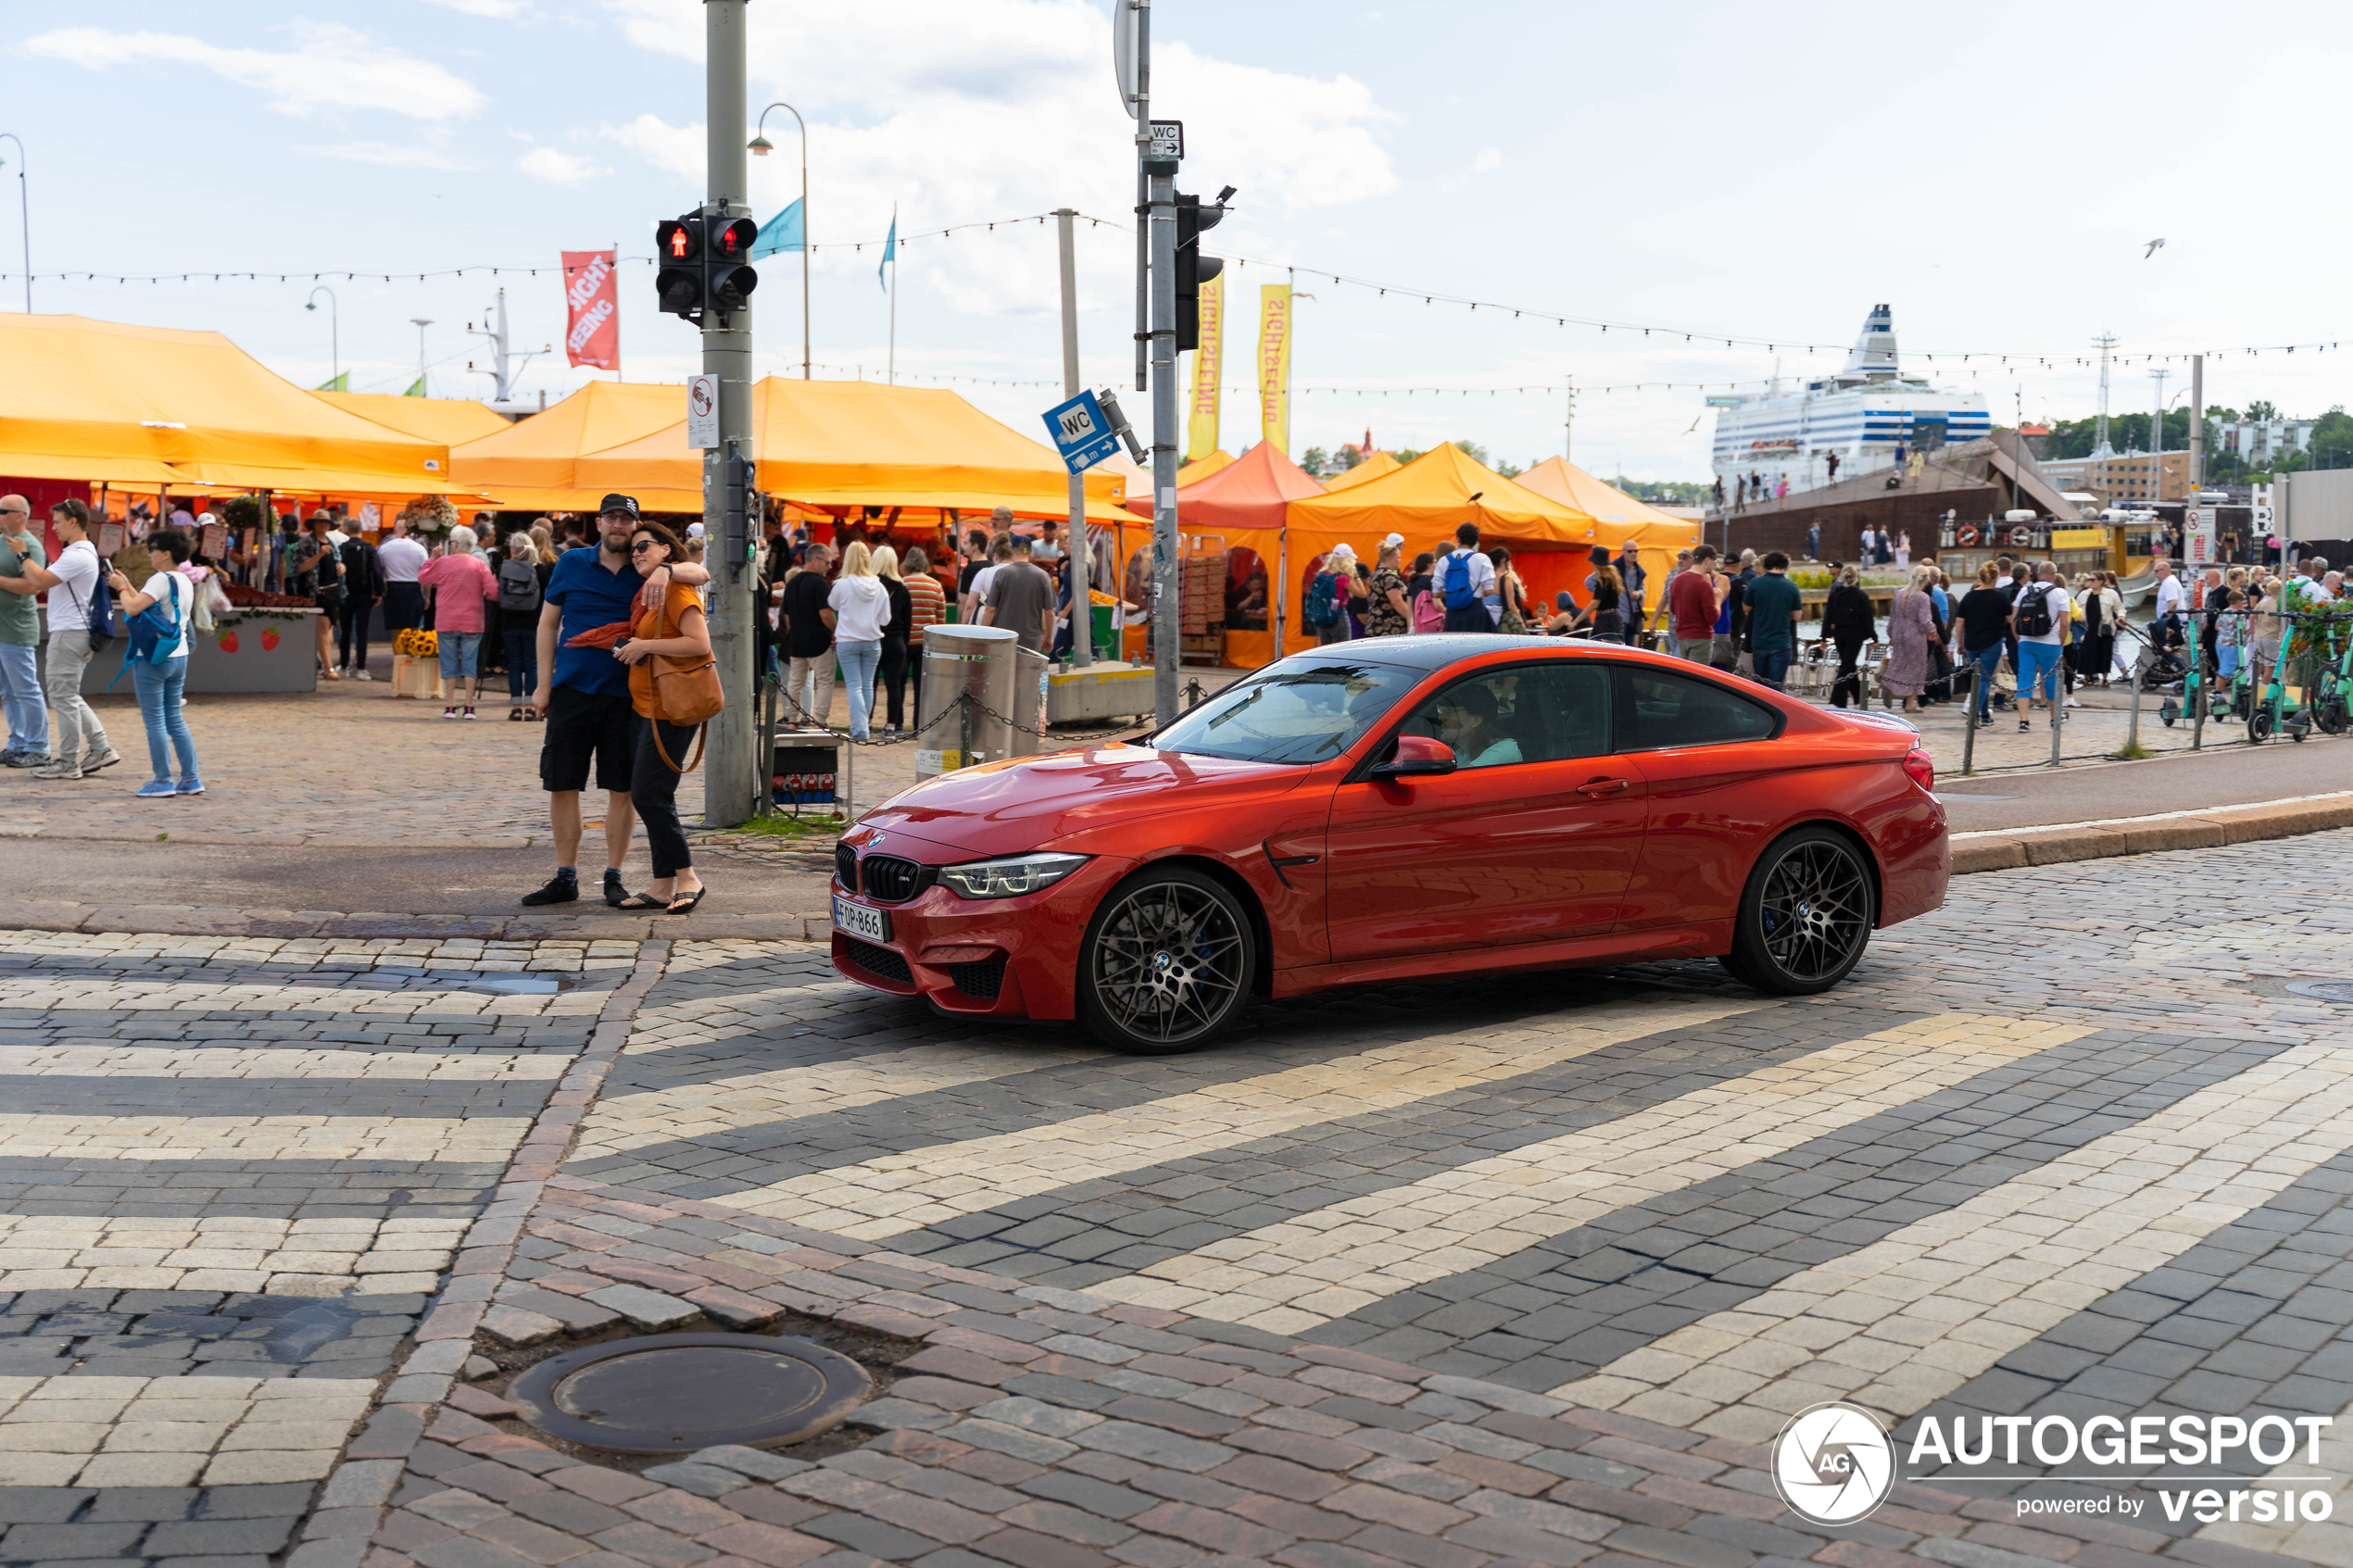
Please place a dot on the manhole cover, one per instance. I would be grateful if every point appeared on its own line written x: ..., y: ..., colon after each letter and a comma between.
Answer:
x: 674, y: 1393
x: 2323, y: 990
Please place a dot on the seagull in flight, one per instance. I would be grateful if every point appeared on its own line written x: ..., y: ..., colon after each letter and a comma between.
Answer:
x: 2154, y: 246
x: 1694, y: 424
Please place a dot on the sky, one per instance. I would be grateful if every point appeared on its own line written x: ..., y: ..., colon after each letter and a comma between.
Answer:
x: 1993, y: 176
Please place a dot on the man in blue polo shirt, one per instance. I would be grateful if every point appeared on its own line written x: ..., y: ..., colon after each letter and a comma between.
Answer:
x: 584, y: 695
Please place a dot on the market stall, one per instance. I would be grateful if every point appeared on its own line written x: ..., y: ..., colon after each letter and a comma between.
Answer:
x: 1617, y: 518
x: 1235, y: 513
x: 534, y: 465
x: 1425, y: 500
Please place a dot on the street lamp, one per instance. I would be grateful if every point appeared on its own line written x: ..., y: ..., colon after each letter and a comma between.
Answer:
x: 24, y: 212
x: 421, y: 324
x: 334, y: 331
x: 760, y: 147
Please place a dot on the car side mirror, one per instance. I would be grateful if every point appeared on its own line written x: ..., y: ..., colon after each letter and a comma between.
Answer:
x: 1417, y: 757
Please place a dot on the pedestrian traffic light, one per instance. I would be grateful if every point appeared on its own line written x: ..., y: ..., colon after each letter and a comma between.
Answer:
x: 1194, y: 268
x: 679, y: 276
x: 743, y: 504
x: 728, y: 277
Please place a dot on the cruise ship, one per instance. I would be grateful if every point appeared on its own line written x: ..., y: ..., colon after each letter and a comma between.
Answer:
x: 1862, y: 416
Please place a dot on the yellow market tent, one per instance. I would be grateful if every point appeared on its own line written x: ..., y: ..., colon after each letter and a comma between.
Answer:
x: 447, y: 421
x: 1193, y: 472
x: 109, y: 402
x: 534, y: 465
x: 1372, y: 468
x: 865, y: 443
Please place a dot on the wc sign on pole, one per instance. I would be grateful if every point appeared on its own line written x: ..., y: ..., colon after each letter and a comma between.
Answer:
x: 1081, y: 433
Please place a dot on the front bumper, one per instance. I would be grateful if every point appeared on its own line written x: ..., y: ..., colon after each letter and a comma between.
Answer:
x: 995, y: 958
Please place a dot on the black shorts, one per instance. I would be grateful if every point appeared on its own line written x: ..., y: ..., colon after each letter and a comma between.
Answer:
x: 579, y: 723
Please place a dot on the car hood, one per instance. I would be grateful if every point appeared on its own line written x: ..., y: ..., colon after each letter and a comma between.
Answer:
x: 1030, y: 802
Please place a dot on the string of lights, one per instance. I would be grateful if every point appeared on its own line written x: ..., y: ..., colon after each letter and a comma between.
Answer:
x: 1403, y: 294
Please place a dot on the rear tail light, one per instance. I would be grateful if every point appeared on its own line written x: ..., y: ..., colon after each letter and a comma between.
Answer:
x: 1922, y: 771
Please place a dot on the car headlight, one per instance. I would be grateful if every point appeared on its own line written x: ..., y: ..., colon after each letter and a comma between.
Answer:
x: 1010, y: 877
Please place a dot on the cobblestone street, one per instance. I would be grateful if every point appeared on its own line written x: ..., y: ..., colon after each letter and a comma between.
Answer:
x: 1449, y: 1274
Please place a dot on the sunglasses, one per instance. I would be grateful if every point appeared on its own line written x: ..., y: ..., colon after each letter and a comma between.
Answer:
x: 644, y: 544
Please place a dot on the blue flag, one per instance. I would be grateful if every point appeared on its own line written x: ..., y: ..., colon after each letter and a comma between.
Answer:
x: 890, y: 253
x: 782, y: 232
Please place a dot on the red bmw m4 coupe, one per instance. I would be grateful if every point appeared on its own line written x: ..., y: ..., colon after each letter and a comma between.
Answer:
x: 1395, y: 808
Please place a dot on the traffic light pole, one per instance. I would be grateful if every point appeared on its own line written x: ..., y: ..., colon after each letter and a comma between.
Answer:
x: 733, y: 777
x: 1166, y: 622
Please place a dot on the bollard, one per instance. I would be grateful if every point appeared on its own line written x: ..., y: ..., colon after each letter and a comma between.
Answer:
x: 2132, y: 726
x: 2059, y: 708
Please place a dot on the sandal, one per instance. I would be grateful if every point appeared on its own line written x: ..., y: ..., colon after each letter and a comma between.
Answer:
x: 514, y: 716
x: 642, y: 901
x: 684, y: 903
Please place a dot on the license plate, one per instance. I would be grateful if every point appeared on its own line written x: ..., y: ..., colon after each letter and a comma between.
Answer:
x: 859, y: 921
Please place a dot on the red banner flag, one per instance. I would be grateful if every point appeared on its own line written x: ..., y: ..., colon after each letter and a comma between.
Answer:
x: 592, y: 331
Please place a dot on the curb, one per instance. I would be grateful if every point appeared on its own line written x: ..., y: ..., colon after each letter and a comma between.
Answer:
x: 176, y: 920
x: 2013, y: 849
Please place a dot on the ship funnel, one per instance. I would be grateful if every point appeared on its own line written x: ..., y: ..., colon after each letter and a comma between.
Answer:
x: 1874, y: 353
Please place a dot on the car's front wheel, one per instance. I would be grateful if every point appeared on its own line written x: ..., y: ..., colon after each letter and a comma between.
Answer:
x: 1166, y: 963
x: 1805, y: 915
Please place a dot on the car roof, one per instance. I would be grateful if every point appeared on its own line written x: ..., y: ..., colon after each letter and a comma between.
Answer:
x: 1435, y: 650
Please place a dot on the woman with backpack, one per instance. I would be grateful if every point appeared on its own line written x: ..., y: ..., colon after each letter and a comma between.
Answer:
x: 1849, y: 620
x: 1329, y: 591
x: 1511, y: 595
x: 161, y: 683
x: 523, y: 584
x: 1423, y: 612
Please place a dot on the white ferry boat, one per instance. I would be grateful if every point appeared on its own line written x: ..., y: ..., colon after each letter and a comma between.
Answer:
x: 1862, y: 417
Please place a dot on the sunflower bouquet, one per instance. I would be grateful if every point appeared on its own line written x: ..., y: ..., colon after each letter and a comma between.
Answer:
x: 416, y: 644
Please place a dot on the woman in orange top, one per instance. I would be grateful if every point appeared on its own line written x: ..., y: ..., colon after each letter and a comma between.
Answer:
x: 653, y: 783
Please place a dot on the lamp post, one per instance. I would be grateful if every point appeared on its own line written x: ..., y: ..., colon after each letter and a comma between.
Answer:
x: 760, y: 147
x: 421, y: 324
x: 24, y: 212
x: 334, y: 330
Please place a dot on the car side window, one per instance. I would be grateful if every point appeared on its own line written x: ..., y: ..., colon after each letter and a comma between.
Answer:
x: 1662, y: 710
x: 1548, y: 712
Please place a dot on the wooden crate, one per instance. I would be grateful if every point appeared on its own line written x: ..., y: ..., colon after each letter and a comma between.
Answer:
x: 416, y: 677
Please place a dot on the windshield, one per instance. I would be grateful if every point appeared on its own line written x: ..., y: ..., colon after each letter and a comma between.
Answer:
x: 1308, y: 708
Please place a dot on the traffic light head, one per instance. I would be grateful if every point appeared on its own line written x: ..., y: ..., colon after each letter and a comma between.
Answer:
x: 729, y: 277
x: 1194, y: 268
x: 678, y: 275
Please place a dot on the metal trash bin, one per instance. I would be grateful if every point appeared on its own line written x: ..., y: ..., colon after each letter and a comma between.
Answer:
x: 969, y: 698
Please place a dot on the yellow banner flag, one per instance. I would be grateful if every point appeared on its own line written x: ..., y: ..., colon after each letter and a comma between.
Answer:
x: 1200, y: 434
x: 1274, y: 365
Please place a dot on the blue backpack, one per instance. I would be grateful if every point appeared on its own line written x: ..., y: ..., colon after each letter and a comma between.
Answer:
x: 1323, y: 600
x: 1454, y: 586
x: 153, y: 639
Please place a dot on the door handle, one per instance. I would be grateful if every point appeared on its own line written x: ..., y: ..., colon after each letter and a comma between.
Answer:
x: 1596, y: 788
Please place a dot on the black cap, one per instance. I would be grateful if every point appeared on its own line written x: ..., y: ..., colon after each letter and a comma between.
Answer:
x: 619, y: 504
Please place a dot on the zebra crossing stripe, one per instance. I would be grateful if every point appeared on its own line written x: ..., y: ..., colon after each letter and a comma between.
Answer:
x: 686, y: 1112
x: 1915, y: 1315
x: 264, y: 1061
x: 425, y: 1139
x: 897, y: 1193
x: 68, y: 995
x: 1298, y: 1273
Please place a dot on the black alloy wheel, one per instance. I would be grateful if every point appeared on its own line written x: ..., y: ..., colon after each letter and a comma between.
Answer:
x: 1166, y: 963
x: 1805, y: 915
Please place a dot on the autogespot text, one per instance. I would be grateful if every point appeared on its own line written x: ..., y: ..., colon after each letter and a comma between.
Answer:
x: 2192, y: 1442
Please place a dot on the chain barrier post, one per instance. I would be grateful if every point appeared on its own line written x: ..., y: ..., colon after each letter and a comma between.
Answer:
x: 2136, y: 671
x: 1969, y: 721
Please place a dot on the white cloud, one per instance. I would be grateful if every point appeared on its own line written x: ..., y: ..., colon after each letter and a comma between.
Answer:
x: 1489, y: 161
x: 330, y: 68
x: 390, y: 154
x: 961, y: 110
x: 498, y: 10
x: 554, y: 166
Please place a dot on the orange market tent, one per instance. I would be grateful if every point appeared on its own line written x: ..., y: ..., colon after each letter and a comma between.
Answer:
x: 1243, y: 504
x: 1656, y: 534
x: 1140, y: 493
x: 534, y: 465
x: 1371, y: 468
x: 449, y: 421
x: 863, y: 444
x: 134, y: 406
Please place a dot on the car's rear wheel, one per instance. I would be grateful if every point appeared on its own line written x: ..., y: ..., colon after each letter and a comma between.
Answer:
x: 1805, y: 915
x: 1166, y: 963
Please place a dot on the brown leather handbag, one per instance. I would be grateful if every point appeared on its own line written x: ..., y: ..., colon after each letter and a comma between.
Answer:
x: 685, y: 692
